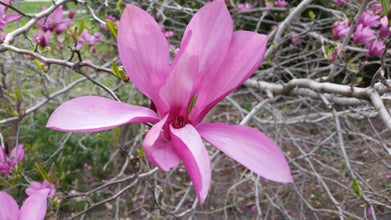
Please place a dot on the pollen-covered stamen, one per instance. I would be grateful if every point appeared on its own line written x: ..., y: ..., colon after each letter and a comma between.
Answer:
x: 179, y: 122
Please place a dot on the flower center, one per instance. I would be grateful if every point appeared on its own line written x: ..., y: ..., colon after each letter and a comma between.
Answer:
x: 179, y: 122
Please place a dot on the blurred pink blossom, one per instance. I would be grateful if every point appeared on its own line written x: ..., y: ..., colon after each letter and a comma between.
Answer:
x: 341, y: 3
x: 340, y: 29
x: 7, y: 18
x: 7, y: 163
x: 377, y: 8
x: 384, y: 26
x: 71, y: 14
x: 89, y: 39
x: 37, y: 186
x: 294, y: 38
x: 363, y: 34
x: 167, y: 34
x: 42, y: 38
x: 375, y: 48
x: 54, y: 22
x: 245, y: 6
x: 269, y: 5
x: 212, y: 61
x: 368, y: 19
x: 280, y: 3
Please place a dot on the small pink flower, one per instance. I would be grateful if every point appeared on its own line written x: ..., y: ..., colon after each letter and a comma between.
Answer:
x: 341, y: 3
x: 16, y: 156
x: 375, y: 48
x: 245, y: 6
x: 368, y: 19
x: 37, y: 186
x: 42, y: 38
x: 363, y: 34
x: 280, y: 3
x: 89, y: 39
x: 71, y: 14
x: 340, y: 29
x: 269, y: 4
x: 168, y: 34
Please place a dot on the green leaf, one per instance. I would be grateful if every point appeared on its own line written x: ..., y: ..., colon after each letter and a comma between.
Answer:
x: 43, y: 173
x: 141, y: 153
x: 119, y: 6
x: 115, y: 70
x: 119, y: 72
x: 16, y: 92
x: 356, y: 188
x: 112, y: 28
x: 81, y: 27
x: 311, y: 14
x: 385, y: 4
x: 38, y: 64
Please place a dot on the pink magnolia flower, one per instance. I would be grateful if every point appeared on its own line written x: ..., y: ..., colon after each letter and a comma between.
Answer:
x: 16, y: 155
x: 384, y: 26
x: 340, y: 29
x: 89, y: 39
x: 341, y: 3
x: 375, y: 48
x: 245, y: 6
x: 54, y: 22
x: 377, y: 8
x: 42, y: 38
x: 7, y: 18
x: 212, y: 61
x: 280, y: 3
x: 368, y: 19
x: 37, y: 186
x: 363, y: 34
x: 34, y: 207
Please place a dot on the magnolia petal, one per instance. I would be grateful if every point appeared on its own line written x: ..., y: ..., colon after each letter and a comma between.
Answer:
x: 17, y: 154
x: 246, y: 52
x: 37, y: 186
x: 34, y: 207
x: 93, y: 113
x: 3, y: 156
x: 203, y: 48
x: 249, y: 147
x: 159, y: 149
x: 195, y: 157
x: 8, y: 207
x: 11, y: 17
x: 143, y: 50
